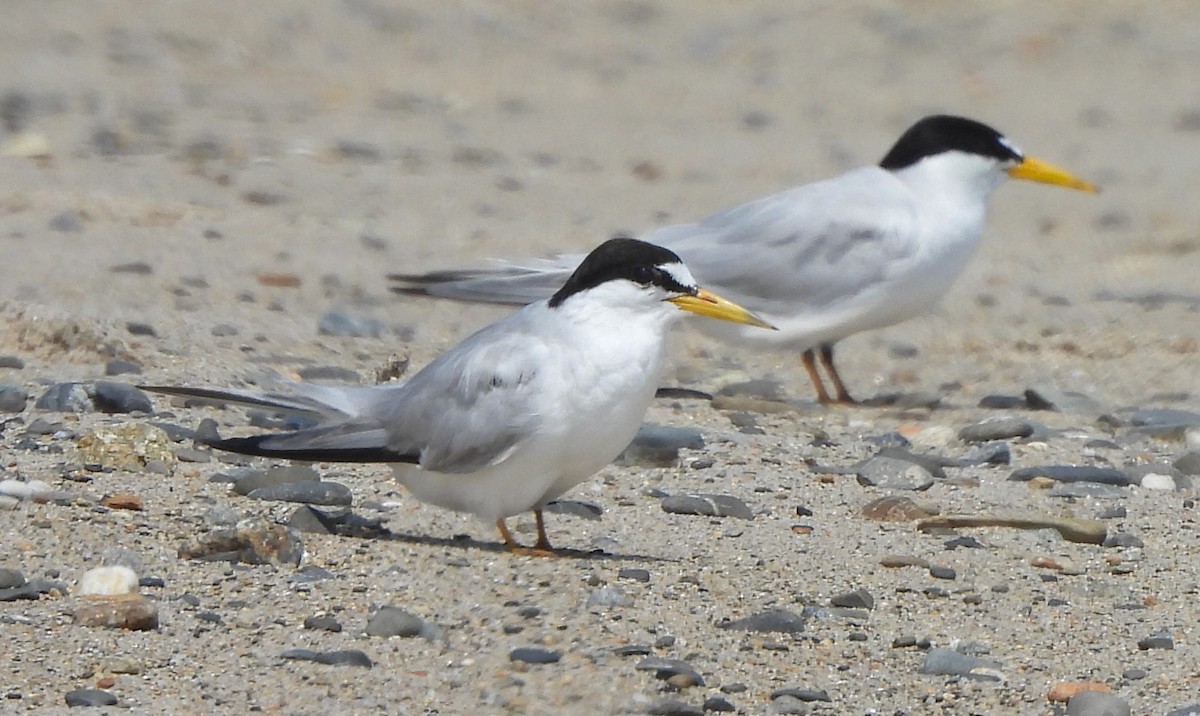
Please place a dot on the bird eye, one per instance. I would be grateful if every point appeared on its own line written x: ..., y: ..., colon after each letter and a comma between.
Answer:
x: 643, y: 274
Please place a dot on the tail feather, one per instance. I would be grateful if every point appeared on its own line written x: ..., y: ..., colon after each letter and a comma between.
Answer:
x: 510, y: 285
x: 260, y: 446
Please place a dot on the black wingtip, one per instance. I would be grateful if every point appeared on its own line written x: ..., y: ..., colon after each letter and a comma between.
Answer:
x: 258, y: 446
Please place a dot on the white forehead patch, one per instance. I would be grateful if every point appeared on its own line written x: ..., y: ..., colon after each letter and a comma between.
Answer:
x: 1011, y: 147
x: 680, y: 273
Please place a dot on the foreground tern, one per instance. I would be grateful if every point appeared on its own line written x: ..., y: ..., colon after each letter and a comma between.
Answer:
x: 521, y: 411
x: 867, y: 249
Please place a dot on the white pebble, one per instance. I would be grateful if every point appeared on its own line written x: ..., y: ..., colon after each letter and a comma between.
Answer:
x: 1155, y: 481
x: 934, y: 437
x: 23, y: 490
x: 108, y: 581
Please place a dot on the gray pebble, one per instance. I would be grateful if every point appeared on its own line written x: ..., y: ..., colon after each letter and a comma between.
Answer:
x: 673, y: 707
x: 1188, y: 463
x: 138, y: 268
x: 1162, y: 640
x: 32, y: 590
x: 110, y: 397
x: 996, y: 428
x: 1095, y: 703
x: 312, y: 492
x: 331, y: 373
x: 1045, y: 398
x: 349, y: 657
x: 947, y: 662
x: 710, y: 505
x: 990, y: 453
x: 659, y: 446
x: 894, y: 474
x: 1089, y: 489
x: 65, y: 398
x: 1072, y: 473
x: 12, y: 398
x: 1190, y: 710
x: 254, y: 479
x: 340, y: 323
x: 10, y: 578
x: 90, y: 697
x: 1002, y: 402
x: 223, y: 330
x: 394, y: 621
x: 636, y: 574
x: 667, y: 668
x: 138, y: 328
x: 718, y: 704
x: 802, y: 694
x: 605, y: 597
x: 306, y: 519
x: 1164, y: 417
x: 323, y: 623
x: 116, y: 366
x: 535, y: 655
x: 14, y: 362
x: 774, y: 620
x: 788, y: 705
x: 938, y: 571
x: 67, y: 222
x: 1134, y: 674
x: 858, y: 599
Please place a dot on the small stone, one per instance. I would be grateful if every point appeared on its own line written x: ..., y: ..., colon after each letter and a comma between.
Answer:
x: 255, y: 479
x: 108, y: 581
x: 807, y: 695
x: 32, y: 590
x: 774, y: 620
x: 323, y: 623
x: 535, y: 655
x: 117, y: 366
x: 1064, y: 691
x: 127, y: 446
x: 1161, y: 640
x: 894, y: 508
x: 996, y: 428
x: 340, y: 323
x: 894, y: 474
x: 123, y: 501
x: 947, y: 662
x: 667, y: 669
x: 718, y: 704
x: 13, y: 399
x: 393, y: 621
x: 110, y: 397
x: 659, y: 446
x: 1044, y: 398
x: 710, y: 505
x: 252, y: 541
x: 1188, y: 463
x: 672, y: 707
x: 1097, y: 703
x: 121, y: 665
x: 858, y: 599
x: 903, y: 560
x: 138, y: 328
x: 10, y: 578
x: 606, y: 597
x: 1156, y: 481
x: 65, y: 398
x: 67, y: 222
x: 348, y: 657
x: 136, y: 268
x: 132, y: 612
x: 1073, y: 473
x: 788, y: 704
x: 1072, y: 529
x: 90, y: 697
x: 938, y: 571
x: 312, y: 492
x: 636, y: 574
x: 1001, y: 402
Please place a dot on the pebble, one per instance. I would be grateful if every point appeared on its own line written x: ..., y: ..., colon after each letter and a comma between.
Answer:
x: 1164, y: 417
x: 989, y: 453
x: 947, y: 662
x: 894, y: 474
x: 32, y: 590
x: 1064, y: 691
x: 65, y: 398
x: 1096, y: 703
x: 21, y: 490
x: 341, y: 323
x: 1156, y: 481
x: 313, y: 492
x: 110, y: 397
x: 534, y: 655
x: 659, y: 446
x: 894, y: 508
x: 808, y: 695
x: 996, y: 428
x: 10, y: 578
x: 255, y: 479
x: 90, y: 697
x: 1188, y: 463
x: 774, y: 620
x: 332, y: 373
x: 128, y: 611
x: 857, y: 599
x: 667, y: 669
x: 1002, y: 402
x: 605, y: 597
x: 1162, y: 640
x: 123, y: 501
x: 116, y: 366
x: 67, y: 222
x: 13, y: 362
x: 673, y: 707
x: 718, y: 704
x: 636, y: 574
x: 1071, y: 403
x: 13, y: 398
x: 938, y: 571
x: 391, y: 621
x: 251, y: 541
x: 1072, y: 529
x: 130, y: 446
x: 788, y: 705
x: 109, y: 581
x: 348, y: 657
x: 709, y: 505
x: 1072, y: 473
x: 323, y: 623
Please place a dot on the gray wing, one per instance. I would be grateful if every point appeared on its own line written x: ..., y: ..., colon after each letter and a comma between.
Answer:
x: 474, y: 405
x: 506, y: 283
x: 802, y: 249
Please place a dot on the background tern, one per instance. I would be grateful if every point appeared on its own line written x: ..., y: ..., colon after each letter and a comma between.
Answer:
x: 866, y: 249
x: 521, y: 411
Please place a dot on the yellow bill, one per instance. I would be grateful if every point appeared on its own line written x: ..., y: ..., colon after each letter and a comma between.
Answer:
x: 710, y: 304
x: 1032, y: 169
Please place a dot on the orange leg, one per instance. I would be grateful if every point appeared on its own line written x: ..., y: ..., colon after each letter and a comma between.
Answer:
x: 843, y: 395
x: 543, y: 542
x: 542, y: 549
x: 810, y: 365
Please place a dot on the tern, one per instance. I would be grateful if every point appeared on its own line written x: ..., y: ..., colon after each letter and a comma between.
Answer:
x: 519, y: 412
x: 859, y: 251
